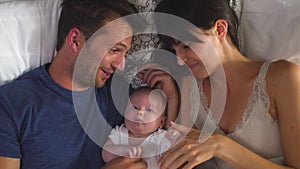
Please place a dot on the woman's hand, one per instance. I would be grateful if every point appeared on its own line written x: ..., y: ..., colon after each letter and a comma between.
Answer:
x: 189, y: 152
x: 157, y: 76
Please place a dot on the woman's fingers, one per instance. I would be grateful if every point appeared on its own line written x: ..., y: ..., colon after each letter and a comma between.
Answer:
x: 154, y: 76
x: 188, y: 152
x: 173, y: 135
x: 181, y: 128
x: 171, y: 156
x: 185, y: 155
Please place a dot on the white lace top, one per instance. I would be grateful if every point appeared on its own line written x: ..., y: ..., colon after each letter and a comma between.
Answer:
x: 257, y: 131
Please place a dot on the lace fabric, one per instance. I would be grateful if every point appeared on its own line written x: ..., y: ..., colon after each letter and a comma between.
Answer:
x: 258, y: 93
x: 148, y: 42
x: 257, y: 130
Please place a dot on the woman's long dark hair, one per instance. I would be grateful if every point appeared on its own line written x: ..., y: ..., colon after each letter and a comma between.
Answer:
x: 201, y: 13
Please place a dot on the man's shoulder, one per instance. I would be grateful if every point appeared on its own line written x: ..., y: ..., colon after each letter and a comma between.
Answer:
x: 27, y: 80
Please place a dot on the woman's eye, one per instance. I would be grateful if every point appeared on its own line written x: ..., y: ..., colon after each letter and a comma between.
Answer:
x: 186, y: 47
x: 135, y: 108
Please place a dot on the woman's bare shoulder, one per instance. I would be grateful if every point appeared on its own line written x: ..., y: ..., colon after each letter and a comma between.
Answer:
x: 282, y: 74
x: 283, y: 69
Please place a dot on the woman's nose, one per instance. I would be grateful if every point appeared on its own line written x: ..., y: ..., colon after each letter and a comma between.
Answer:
x: 181, y: 56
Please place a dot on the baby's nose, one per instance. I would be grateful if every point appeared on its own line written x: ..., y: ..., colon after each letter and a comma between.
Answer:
x: 140, y: 113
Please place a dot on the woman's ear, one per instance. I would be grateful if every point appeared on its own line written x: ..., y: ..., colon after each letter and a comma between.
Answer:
x: 74, y: 39
x: 221, y: 28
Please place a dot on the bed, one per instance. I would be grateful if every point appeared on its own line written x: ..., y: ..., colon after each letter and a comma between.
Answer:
x: 269, y: 29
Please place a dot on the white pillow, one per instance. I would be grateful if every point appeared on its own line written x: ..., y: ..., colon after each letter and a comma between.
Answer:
x: 270, y: 29
x: 28, y: 35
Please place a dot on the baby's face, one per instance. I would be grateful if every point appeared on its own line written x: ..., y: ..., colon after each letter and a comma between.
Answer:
x: 144, y: 113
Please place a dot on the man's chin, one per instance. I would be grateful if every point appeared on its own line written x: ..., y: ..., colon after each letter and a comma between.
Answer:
x: 100, y: 83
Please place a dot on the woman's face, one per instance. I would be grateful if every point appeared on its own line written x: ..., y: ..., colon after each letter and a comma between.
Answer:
x: 200, y: 57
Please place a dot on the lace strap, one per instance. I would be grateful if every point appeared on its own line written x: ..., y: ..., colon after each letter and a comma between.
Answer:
x: 263, y: 71
x: 259, y: 88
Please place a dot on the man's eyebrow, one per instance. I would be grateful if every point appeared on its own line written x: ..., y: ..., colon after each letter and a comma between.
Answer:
x: 122, y: 44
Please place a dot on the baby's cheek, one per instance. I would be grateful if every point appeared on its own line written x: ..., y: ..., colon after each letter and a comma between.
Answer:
x: 153, y: 117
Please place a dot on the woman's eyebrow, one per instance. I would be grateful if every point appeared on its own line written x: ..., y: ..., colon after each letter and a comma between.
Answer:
x: 177, y: 42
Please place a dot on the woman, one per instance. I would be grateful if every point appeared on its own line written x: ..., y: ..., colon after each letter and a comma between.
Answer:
x: 260, y: 122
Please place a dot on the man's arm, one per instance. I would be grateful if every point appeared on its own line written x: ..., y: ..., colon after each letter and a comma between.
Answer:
x: 126, y: 163
x: 9, y: 163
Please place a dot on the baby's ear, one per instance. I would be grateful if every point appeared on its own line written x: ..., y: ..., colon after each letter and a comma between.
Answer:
x: 162, y: 122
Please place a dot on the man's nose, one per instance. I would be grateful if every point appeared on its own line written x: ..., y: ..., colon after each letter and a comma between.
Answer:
x: 119, y: 62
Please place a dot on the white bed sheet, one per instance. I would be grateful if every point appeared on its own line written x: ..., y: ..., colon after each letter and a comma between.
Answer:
x: 28, y: 35
x: 270, y: 29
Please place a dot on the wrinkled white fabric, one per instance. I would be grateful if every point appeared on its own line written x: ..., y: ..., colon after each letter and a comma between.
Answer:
x: 270, y: 29
x: 28, y: 35
x: 153, y: 146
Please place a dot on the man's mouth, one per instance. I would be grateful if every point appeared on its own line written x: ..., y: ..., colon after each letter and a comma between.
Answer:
x: 106, y: 74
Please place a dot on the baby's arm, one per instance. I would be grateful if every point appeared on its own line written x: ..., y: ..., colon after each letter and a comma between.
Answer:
x: 111, y: 151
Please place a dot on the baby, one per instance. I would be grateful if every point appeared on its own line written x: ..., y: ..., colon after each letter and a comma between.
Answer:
x: 142, y: 135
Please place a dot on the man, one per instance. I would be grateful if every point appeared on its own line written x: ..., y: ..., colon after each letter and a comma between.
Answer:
x: 39, y: 127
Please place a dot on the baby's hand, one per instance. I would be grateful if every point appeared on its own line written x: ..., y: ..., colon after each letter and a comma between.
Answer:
x: 135, y: 151
x: 173, y: 135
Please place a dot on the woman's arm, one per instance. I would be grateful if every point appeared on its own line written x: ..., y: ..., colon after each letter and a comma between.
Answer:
x: 284, y: 78
x: 283, y: 84
x: 189, y: 152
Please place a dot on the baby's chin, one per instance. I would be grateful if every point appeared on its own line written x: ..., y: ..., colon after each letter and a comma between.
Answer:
x: 137, y: 134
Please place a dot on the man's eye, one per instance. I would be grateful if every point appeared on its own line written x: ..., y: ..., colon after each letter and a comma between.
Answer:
x: 114, y: 50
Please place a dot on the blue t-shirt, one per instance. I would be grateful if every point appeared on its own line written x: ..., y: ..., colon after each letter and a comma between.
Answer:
x: 39, y: 124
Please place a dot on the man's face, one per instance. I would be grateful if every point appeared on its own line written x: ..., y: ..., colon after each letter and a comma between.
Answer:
x: 112, y: 60
x: 103, y: 53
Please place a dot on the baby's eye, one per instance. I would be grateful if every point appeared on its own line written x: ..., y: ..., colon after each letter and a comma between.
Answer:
x: 149, y: 110
x: 135, y: 108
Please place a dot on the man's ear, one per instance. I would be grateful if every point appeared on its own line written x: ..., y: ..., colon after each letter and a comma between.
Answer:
x: 75, y: 39
x: 221, y: 28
